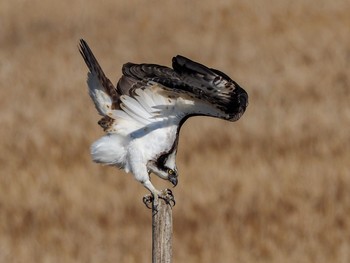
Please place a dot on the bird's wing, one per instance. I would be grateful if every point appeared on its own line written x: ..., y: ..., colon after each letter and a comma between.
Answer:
x: 147, y: 107
x: 101, y: 90
x: 126, y: 108
x: 208, y: 83
x: 152, y: 96
x: 198, y: 90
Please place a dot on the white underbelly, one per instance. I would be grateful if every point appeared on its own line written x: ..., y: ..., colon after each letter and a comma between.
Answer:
x: 150, y: 146
x: 157, y: 142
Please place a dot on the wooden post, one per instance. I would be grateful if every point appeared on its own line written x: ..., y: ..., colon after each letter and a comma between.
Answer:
x: 162, y: 231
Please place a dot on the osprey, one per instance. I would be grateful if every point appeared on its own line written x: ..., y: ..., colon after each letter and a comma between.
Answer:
x: 142, y: 115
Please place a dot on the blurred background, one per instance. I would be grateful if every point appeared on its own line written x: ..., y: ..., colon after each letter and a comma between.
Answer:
x: 272, y: 187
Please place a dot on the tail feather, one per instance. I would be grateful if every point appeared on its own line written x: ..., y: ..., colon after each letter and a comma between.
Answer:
x: 109, y: 150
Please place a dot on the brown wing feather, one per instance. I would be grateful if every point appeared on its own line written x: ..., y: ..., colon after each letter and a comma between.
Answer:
x: 190, y: 77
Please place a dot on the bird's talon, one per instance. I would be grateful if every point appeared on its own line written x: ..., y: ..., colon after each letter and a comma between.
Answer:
x: 148, y: 200
x: 152, y: 201
x: 168, y: 197
x: 168, y: 192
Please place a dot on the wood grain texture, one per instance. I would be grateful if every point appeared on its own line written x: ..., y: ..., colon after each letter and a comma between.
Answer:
x: 162, y: 231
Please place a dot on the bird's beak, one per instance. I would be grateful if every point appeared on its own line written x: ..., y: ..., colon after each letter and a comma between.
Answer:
x: 173, y: 180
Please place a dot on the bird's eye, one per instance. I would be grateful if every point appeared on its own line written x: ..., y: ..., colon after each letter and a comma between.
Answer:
x: 170, y: 171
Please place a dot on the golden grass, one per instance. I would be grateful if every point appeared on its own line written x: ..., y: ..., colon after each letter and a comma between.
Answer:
x: 273, y: 187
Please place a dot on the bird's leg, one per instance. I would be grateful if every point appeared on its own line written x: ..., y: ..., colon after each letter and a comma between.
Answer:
x: 153, y: 198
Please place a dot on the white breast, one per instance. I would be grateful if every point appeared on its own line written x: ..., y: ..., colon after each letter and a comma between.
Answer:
x: 154, y: 143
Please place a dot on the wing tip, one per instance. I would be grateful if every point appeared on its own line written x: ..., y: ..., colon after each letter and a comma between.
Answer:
x: 83, y: 47
x: 185, y: 65
x: 180, y: 61
x: 87, y: 54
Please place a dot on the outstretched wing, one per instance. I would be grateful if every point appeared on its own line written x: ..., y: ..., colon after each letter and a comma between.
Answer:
x: 211, y: 85
x: 198, y: 89
x: 149, y: 96
x: 101, y: 89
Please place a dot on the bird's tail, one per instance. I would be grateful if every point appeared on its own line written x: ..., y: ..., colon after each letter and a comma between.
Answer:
x: 109, y: 150
x: 101, y: 89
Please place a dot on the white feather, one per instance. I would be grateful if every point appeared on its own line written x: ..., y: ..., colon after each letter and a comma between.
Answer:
x: 97, y: 93
x: 110, y: 150
x: 133, y: 108
x: 144, y: 100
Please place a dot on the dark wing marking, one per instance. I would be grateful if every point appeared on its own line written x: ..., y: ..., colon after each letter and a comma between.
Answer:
x: 212, y: 84
x: 137, y: 75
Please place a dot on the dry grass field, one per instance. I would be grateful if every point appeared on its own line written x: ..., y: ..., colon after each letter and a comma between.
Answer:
x: 273, y: 187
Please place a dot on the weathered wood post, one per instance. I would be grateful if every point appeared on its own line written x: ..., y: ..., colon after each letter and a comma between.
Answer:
x: 162, y: 231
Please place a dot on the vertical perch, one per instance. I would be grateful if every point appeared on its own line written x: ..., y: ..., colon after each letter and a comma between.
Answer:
x: 162, y: 231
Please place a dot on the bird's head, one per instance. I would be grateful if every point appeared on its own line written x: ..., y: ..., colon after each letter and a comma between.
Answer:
x: 169, y: 166
x: 165, y: 167
x: 164, y: 172
x: 172, y: 176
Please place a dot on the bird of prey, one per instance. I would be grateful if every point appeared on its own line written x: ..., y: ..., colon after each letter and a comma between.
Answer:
x: 142, y: 115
